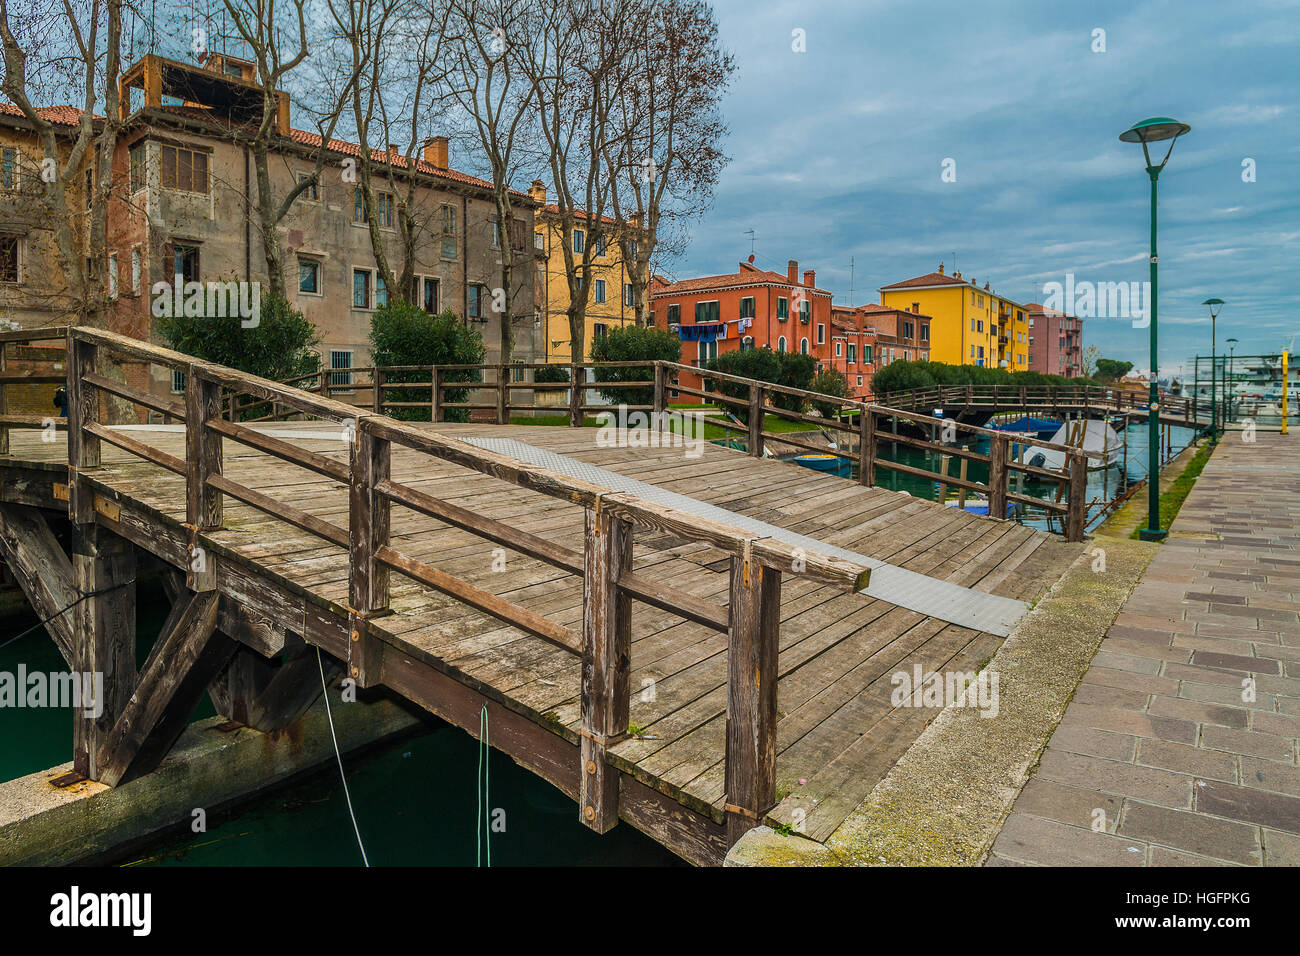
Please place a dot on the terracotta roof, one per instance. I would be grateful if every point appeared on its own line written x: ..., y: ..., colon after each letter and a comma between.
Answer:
x: 554, y: 210
x: 931, y: 278
x: 748, y: 275
x: 874, y: 308
x: 1038, y: 308
x: 59, y: 115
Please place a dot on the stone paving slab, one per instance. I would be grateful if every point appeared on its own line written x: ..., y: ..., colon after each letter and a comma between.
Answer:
x: 1181, y: 746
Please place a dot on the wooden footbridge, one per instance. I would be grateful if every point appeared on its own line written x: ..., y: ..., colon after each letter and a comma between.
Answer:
x: 691, y: 644
x: 979, y: 403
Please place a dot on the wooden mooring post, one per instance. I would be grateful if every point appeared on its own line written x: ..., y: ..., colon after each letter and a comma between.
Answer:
x: 756, y: 421
x: 867, y: 447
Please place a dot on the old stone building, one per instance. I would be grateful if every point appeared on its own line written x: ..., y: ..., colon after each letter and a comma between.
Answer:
x: 188, y: 186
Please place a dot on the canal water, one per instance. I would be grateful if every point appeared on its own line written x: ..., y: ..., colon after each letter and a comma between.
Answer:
x: 416, y: 800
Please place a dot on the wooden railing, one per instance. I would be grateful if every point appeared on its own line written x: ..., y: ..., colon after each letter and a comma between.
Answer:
x: 860, y: 423
x: 1017, y: 397
x: 609, y: 580
x: 21, y: 363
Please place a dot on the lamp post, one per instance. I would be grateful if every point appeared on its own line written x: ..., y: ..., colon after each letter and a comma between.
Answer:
x: 1154, y: 130
x: 1216, y: 305
x: 1227, y: 388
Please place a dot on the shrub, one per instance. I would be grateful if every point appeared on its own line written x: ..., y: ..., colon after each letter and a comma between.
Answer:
x: 761, y: 364
x: 829, y: 381
x: 797, y: 371
x: 632, y: 343
x: 404, y: 334
x: 551, y: 373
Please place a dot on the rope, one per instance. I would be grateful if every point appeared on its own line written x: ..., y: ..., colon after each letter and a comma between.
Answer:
x: 40, y: 624
x: 338, y: 756
x: 482, y: 839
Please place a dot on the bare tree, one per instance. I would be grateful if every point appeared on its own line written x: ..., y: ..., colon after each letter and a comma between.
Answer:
x: 278, y: 42
x: 576, y: 60
x: 489, y: 83
x: 78, y: 43
x: 663, y: 158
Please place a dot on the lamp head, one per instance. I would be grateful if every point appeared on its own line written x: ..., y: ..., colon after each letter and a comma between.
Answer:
x: 1153, y: 130
x: 1215, y: 305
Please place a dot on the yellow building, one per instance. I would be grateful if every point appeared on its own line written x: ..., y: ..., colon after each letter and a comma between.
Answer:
x: 609, y: 305
x: 969, y: 325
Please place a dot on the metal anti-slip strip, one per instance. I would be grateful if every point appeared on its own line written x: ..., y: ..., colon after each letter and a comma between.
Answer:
x: 916, y: 592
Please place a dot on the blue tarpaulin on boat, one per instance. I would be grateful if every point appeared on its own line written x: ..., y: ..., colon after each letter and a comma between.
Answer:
x: 1027, y: 423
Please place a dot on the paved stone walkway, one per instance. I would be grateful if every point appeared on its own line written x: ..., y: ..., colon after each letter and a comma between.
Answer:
x: 1185, y: 728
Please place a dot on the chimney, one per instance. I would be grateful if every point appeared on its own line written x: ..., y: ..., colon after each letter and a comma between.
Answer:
x: 394, y: 151
x: 941, y: 268
x: 986, y: 285
x: 537, y: 192
x: 809, y: 277
x: 792, y: 271
x: 435, y: 152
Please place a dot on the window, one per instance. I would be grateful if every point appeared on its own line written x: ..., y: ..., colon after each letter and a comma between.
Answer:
x: 381, y: 291
x: 112, y: 276
x: 137, y: 168
x: 539, y: 241
x: 579, y: 241
x: 821, y: 334
x: 600, y: 291
x: 909, y: 330
x: 629, y: 299
x: 599, y: 250
x: 708, y: 351
x: 312, y: 192
x: 859, y: 381
x: 780, y: 344
x: 925, y: 333
x: 747, y: 307
x: 852, y: 358
x: 186, y: 262
x: 184, y: 169
x: 839, y: 349
x: 707, y: 311
x: 135, y: 270
x: 496, y: 233
x: 746, y: 343
x: 674, y: 315
x: 803, y: 345
x: 475, y: 306
x: 972, y: 351
x: 431, y: 296
x: 782, y: 308
x: 309, y: 276
x: 178, y: 381
x: 360, y: 288
x: 866, y: 355
x: 916, y: 307
x: 448, y: 232
x: 979, y: 326
x: 383, y: 208
x: 8, y: 258
x: 9, y: 168
x: 598, y: 330
x: 341, y: 359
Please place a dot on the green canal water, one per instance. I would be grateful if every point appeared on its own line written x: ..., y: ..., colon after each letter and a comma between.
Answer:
x: 416, y: 800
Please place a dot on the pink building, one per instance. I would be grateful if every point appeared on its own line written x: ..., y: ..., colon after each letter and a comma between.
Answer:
x: 1055, y: 341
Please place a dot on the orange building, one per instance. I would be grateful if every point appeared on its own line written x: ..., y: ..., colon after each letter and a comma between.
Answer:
x: 870, y: 337
x: 752, y: 308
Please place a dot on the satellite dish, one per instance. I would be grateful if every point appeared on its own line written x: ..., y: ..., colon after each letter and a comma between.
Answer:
x: 751, y: 258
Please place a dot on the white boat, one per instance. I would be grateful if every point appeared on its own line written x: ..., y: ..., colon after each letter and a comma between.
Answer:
x: 1097, y: 436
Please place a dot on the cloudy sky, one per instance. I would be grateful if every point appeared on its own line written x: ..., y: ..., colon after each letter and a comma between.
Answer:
x: 837, y: 153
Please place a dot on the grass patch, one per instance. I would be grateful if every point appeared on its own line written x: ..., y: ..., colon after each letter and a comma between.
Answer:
x: 1172, y: 500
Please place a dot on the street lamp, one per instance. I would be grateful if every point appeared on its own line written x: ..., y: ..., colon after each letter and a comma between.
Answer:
x: 1227, y: 388
x: 1154, y: 130
x: 1215, y: 306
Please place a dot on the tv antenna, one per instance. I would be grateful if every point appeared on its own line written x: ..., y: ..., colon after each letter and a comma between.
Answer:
x: 850, y: 282
x: 751, y: 234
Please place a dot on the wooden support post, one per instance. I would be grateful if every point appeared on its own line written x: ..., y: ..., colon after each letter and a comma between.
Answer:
x: 606, y: 663
x: 103, y: 567
x: 1076, y: 515
x: 368, y: 531
x: 577, y: 394
x: 436, y: 413
x: 961, y: 473
x: 83, y: 410
x: 36, y: 560
x: 661, y: 391
x: 998, y: 475
x: 943, y: 485
x: 178, y: 671
x: 503, y: 395
x: 752, y: 646
x: 756, y: 416
x: 867, y: 448
x: 377, y: 391
x: 203, y: 503
x: 244, y: 678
